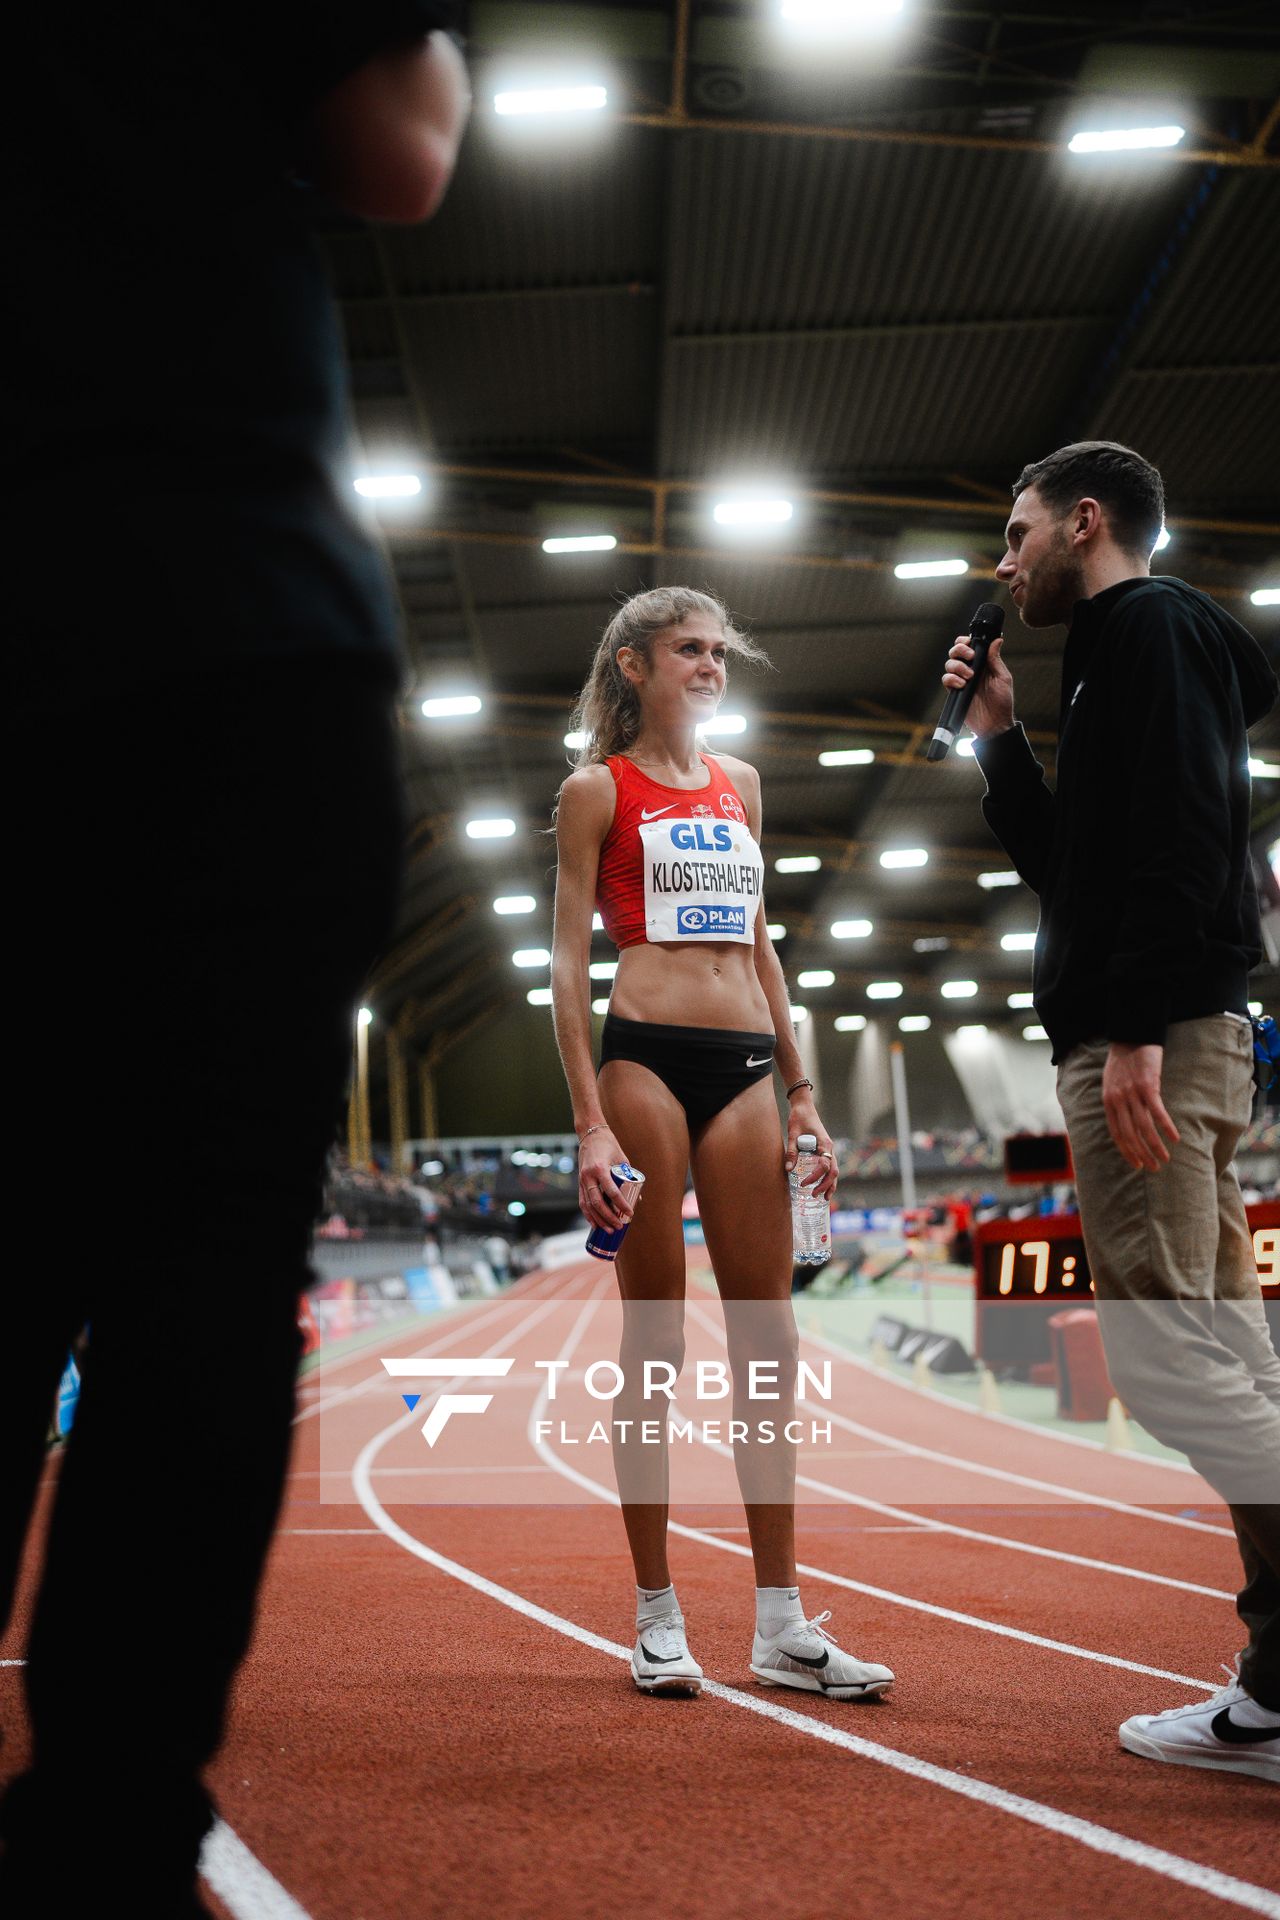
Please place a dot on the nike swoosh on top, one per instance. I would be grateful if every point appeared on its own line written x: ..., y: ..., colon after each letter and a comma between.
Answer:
x: 651, y: 813
x: 1224, y: 1728
x: 766, y: 1061
x: 659, y: 1659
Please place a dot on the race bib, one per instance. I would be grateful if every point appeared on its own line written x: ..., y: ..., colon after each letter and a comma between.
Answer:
x: 702, y: 880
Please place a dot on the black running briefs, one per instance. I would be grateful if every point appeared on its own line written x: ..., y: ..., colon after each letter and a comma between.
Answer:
x: 704, y: 1067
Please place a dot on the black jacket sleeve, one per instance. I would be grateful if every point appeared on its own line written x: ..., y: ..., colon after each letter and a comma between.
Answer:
x: 1174, y: 835
x: 1019, y: 806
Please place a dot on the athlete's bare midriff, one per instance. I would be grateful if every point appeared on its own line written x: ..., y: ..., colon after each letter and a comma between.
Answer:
x: 710, y: 985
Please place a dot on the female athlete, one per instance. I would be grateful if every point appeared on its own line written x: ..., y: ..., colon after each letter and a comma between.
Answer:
x: 664, y: 841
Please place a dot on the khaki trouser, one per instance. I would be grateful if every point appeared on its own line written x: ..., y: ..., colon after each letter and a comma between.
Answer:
x: 1178, y: 1296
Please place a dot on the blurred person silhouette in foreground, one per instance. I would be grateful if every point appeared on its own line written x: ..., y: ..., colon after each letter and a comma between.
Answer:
x: 207, y: 672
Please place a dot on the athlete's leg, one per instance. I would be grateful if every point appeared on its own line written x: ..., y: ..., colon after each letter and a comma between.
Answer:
x: 650, y: 1126
x: 743, y: 1200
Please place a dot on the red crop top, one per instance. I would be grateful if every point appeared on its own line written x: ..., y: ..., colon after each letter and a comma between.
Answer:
x: 678, y: 864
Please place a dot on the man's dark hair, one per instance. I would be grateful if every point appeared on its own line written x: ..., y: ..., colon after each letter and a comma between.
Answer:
x: 1120, y: 480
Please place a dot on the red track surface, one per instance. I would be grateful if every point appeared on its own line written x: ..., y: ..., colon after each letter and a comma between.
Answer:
x: 404, y: 1743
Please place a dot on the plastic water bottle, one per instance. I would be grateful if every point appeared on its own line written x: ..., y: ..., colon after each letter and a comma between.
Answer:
x: 810, y: 1214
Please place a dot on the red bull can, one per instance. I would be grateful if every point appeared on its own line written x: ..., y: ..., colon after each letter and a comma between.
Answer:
x: 601, y: 1243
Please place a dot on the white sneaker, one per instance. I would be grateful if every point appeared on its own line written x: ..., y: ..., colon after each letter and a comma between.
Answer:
x: 662, y: 1662
x: 1210, y: 1734
x: 804, y: 1655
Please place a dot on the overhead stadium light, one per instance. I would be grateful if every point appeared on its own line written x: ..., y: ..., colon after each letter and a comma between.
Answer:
x: 904, y: 857
x: 495, y: 829
x: 851, y: 929
x: 576, y: 741
x: 1125, y: 139
x: 453, y: 706
x: 958, y: 989
x: 1263, y: 769
x: 816, y: 977
x: 797, y: 863
x: 847, y: 757
x: 884, y: 990
x: 531, y: 957
x: 600, y: 1006
x: 1265, y: 597
x: 999, y: 877
x: 930, y: 569
x: 752, y: 511
x: 776, y: 930
x: 540, y: 100
x: 973, y: 1032
x: 798, y: 1014
x: 1018, y: 942
x: 1034, y: 1033
x: 723, y: 723
x: 851, y: 1023
x: 1162, y: 540
x: 365, y: 1017
x: 602, y: 969
x: 1018, y: 1000
x: 831, y: 18
x: 539, y: 996
x: 514, y: 903
x: 965, y: 746
x: 914, y: 1023
x: 581, y: 543
x: 388, y: 486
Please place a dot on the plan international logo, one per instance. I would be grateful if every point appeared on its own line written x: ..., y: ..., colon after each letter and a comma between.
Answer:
x: 731, y: 922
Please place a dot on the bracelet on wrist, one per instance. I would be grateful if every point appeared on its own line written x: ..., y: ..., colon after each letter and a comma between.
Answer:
x: 796, y: 1088
x: 588, y: 1131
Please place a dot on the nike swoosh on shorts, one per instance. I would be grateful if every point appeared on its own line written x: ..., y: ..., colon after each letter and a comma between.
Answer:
x: 766, y: 1061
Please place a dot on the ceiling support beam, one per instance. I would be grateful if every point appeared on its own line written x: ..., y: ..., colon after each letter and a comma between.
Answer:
x: 647, y: 484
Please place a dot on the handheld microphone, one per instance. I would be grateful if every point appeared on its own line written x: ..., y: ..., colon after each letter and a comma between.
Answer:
x: 987, y: 625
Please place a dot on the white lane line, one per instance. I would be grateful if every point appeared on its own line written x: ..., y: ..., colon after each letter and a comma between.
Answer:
x: 459, y: 1325
x: 1017, y: 1479
x: 1087, y: 1833
x: 607, y: 1494
x: 408, y: 1473
x: 325, y: 1532
x: 930, y: 1525
x: 979, y: 1413
x: 241, y: 1881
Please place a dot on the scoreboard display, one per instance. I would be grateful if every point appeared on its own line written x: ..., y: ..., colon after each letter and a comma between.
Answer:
x: 1040, y: 1263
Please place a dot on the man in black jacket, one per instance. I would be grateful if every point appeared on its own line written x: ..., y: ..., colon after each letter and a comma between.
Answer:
x: 1148, y: 929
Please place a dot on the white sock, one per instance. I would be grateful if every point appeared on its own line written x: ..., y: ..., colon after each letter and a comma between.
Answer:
x: 653, y: 1603
x: 776, y: 1608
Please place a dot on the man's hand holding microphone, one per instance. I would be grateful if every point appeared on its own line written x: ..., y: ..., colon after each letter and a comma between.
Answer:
x: 989, y: 708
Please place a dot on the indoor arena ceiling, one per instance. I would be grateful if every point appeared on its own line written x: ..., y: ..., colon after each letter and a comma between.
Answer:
x: 869, y: 277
